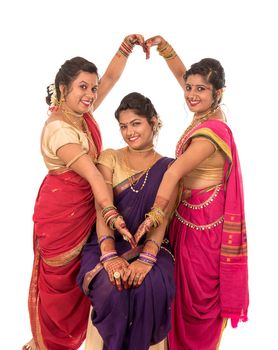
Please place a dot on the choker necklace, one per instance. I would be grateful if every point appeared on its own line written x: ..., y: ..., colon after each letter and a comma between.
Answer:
x: 78, y: 123
x: 77, y: 115
x: 205, y: 116
x: 140, y: 150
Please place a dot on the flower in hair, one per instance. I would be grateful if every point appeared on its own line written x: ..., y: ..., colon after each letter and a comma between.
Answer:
x: 53, y: 95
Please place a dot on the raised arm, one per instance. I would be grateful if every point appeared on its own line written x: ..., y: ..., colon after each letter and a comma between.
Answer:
x: 117, y: 65
x: 168, y: 53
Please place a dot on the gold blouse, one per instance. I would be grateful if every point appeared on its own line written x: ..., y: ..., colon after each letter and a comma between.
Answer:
x: 56, y: 134
x: 212, y: 168
x: 114, y: 160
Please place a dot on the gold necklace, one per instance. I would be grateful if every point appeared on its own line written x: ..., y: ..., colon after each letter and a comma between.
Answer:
x: 140, y: 150
x: 78, y: 123
x: 144, y: 172
x: 195, y: 122
x: 82, y: 126
x: 78, y: 115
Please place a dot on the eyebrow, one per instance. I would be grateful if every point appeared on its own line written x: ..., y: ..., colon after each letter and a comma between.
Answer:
x: 132, y: 121
x: 188, y: 84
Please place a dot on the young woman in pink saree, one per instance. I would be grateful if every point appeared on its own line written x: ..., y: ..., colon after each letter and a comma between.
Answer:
x: 64, y: 210
x: 208, y: 232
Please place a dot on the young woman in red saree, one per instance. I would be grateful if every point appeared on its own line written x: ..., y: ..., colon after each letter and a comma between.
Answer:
x: 64, y: 210
x: 208, y: 232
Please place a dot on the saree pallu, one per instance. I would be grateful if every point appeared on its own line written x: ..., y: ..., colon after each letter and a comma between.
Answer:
x: 136, y: 318
x: 208, y: 237
x: 63, y: 216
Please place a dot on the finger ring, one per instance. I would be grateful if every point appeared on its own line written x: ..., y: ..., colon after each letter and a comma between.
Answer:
x: 125, y: 238
x: 117, y: 274
x: 136, y: 277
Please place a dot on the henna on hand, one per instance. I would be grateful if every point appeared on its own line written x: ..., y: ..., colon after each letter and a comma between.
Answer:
x: 144, y: 228
x: 115, y: 269
x: 122, y: 229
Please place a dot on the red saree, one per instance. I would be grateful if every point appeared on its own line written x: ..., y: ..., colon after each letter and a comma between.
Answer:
x: 63, y: 216
x: 208, y: 236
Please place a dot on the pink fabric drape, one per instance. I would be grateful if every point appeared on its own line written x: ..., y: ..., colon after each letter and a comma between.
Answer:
x: 209, y: 239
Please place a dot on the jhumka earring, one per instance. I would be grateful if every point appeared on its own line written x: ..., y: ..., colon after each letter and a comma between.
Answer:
x: 62, y: 99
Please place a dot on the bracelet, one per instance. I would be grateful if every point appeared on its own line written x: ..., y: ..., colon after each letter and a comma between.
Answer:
x: 112, y: 222
x: 147, y: 258
x: 103, y: 238
x: 126, y: 48
x: 156, y: 215
x: 148, y: 255
x: 108, y: 256
x: 167, y: 51
x: 104, y: 210
x: 146, y: 261
x: 110, y: 215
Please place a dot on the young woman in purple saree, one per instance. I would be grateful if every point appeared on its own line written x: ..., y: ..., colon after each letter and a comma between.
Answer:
x: 131, y: 290
x: 207, y: 233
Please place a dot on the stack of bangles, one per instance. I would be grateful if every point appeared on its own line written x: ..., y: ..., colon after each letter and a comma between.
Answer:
x: 166, y: 51
x: 126, y: 48
x: 147, y: 258
x: 156, y: 215
x: 108, y: 256
x: 110, y: 215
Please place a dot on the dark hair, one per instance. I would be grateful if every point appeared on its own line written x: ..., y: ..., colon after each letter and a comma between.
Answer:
x: 68, y: 72
x: 212, y: 70
x: 140, y: 104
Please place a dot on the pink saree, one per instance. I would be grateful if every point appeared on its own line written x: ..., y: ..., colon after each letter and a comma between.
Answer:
x: 208, y: 236
x: 63, y: 216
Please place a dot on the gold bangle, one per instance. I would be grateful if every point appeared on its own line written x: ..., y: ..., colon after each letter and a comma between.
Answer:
x: 167, y: 52
x: 162, y: 48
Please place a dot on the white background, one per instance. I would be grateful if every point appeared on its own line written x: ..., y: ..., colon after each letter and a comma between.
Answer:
x: 38, y: 36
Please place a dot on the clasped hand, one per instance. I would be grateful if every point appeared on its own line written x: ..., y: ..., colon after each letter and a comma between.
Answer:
x: 124, y: 275
x: 138, y: 39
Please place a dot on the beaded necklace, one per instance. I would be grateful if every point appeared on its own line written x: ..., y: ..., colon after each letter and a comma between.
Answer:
x: 145, y: 172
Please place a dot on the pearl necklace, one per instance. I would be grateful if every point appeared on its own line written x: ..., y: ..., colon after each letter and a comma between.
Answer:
x: 143, y: 184
x: 145, y: 171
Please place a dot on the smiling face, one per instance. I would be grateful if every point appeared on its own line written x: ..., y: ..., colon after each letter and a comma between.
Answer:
x: 81, y: 94
x: 136, y: 131
x: 198, y: 94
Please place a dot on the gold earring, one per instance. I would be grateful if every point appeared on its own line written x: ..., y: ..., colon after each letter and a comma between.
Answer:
x: 62, y: 99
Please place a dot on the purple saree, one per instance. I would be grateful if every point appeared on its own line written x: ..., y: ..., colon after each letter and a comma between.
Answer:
x: 138, y: 317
